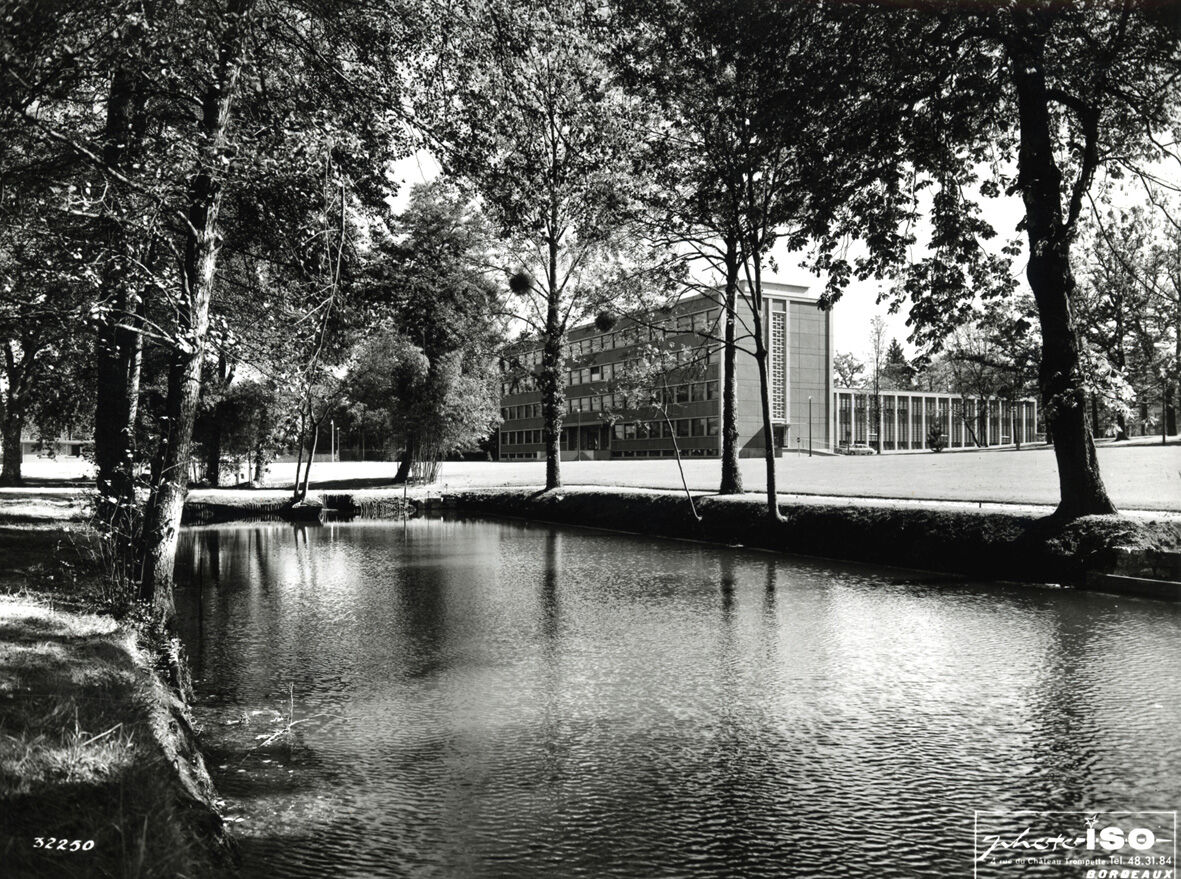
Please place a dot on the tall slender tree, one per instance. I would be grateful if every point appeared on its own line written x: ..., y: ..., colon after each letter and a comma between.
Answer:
x: 529, y: 113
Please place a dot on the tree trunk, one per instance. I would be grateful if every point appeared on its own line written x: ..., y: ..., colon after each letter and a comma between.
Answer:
x: 299, y: 459
x: 13, y: 423
x: 1052, y: 281
x: 552, y: 395
x: 307, y: 470
x: 731, y: 475
x: 213, y: 449
x: 259, y: 463
x: 407, y: 462
x: 756, y: 296
x: 119, y: 347
x: 162, y: 518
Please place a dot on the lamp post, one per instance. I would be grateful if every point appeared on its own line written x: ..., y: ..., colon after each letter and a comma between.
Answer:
x: 809, y: 427
x: 332, y: 437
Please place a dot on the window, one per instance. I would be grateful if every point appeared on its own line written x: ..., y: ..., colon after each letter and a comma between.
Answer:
x: 699, y: 427
x: 682, y: 393
x: 776, y: 357
x: 683, y: 426
x: 629, y: 430
x: 698, y: 391
x: 711, y: 426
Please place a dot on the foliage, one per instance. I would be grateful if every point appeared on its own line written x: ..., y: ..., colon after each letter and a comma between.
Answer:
x: 1129, y: 306
x: 897, y: 372
x: 936, y: 440
x: 532, y: 118
x: 440, y: 405
x: 848, y: 370
x: 969, y: 101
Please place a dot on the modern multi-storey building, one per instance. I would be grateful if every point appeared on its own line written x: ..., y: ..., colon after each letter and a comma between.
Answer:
x: 606, y: 418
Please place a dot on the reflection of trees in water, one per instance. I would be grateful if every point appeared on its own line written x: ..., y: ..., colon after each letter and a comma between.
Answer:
x: 1064, y: 737
x: 548, y: 600
x: 422, y: 589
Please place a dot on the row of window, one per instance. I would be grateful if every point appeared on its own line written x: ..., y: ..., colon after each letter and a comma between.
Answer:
x: 664, y: 453
x: 606, y: 372
x: 693, y: 392
x: 680, y: 427
x: 609, y: 371
x: 630, y: 430
x: 623, y: 453
x: 520, y: 437
x: 698, y: 322
x: 525, y: 410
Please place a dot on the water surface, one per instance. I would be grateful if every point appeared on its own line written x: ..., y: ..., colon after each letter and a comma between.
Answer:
x: 492, y: 699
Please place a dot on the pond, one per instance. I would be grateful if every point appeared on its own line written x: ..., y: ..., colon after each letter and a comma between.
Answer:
x: 458, y: 698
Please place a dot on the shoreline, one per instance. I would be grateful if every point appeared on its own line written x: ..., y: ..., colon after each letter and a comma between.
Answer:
x: 98, y: 753
x: 1114, y: 554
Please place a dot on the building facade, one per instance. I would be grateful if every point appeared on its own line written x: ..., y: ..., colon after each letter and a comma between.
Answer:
x: 675, y: 356
x: 905, y: 419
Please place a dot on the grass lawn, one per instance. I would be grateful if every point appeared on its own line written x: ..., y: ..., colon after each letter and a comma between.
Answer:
x: 1140, y: 476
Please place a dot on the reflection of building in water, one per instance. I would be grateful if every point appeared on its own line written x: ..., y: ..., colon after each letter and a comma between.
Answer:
x: 598, y: 423
x: 906, y: 420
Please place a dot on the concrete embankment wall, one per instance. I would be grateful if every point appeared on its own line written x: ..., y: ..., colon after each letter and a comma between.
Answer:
x: 205, y: 507
x: 987, y: 545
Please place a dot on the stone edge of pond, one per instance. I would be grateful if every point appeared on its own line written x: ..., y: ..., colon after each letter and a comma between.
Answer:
x: 216, y: 507
x: 1104, y: 553
x: 181, y: 793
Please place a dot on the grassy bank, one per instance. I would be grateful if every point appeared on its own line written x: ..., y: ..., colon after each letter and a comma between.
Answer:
x: 979, y: 544
x: 94, y: 748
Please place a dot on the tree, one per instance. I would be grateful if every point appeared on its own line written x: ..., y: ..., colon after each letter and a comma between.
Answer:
x: 644, y: 385
x: 530, y: 115
x: 681, y: 57
x: 877, y: 362
x: 897, y: 372
x: 43, y: 335
x: 994, y: 355
x: 748, y: 89
x: 197, y: 123
x: 1054, y: 91
x: 428, y: 279
x: 1129, y: 309
x: 435, y: 406
x: 848, y: 369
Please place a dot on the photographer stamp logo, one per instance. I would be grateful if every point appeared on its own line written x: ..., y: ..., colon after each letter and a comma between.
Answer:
x: 1087, y: 845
